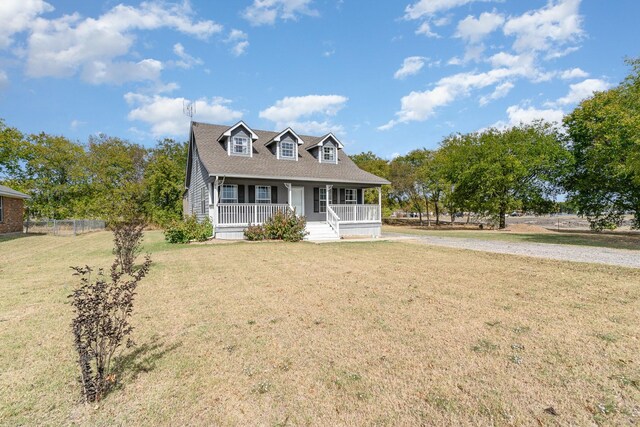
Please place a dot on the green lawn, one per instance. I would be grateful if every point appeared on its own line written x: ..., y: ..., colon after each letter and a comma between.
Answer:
x: 608, y: 240
x: 351, y: 333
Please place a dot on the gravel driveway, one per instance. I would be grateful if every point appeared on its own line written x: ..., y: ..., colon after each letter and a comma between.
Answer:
x: 592, y: 254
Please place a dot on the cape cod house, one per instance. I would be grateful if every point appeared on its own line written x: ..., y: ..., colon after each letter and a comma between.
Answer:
x: 238, y: 176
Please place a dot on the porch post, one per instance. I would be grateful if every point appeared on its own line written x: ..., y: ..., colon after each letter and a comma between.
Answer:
x: 380, y: 204
x: 329, y: 188
x: 288, y: 185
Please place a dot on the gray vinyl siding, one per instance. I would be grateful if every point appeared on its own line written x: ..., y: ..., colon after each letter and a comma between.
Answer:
x: 197, y: 183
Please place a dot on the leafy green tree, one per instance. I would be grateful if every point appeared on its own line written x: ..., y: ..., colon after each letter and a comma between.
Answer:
x: 452, y: 159
x: 114, y: 169
x: 12, y: 151
x: 406, y: 188
x: 501, y: 170
x: 51, y: 172
x: 164, y: 178
x: 604, y: 133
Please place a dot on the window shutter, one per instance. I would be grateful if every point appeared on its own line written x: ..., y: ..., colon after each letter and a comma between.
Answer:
x: 343, y: 196
x: 240, y: 193
x: 359, y: 197
x: 274, y: 194
x: 334, y: 197
x: 316, y: 199
x: 252, y: 194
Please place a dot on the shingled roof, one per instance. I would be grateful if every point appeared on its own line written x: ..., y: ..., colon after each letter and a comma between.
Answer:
x: 10, y: 192
x: 264, y: 164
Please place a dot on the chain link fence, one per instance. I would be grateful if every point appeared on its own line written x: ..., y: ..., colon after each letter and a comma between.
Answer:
x: 64, y: 227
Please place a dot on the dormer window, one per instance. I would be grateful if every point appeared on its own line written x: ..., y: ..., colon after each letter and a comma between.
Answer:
x: 240, y: 145
x: 287, y: 150
x: 285, y: 145
x: 238, y: 140
x: 329, y: 154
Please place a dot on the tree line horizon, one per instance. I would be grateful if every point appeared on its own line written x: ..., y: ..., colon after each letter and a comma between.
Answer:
x: 592, y: 157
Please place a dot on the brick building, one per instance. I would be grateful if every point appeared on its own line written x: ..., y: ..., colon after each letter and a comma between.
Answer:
x: 11, y: 210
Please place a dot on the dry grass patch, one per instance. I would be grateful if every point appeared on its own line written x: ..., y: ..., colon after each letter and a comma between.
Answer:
x: 363, y: 333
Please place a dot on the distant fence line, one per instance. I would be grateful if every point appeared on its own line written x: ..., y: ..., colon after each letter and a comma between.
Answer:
x: 64, y: 227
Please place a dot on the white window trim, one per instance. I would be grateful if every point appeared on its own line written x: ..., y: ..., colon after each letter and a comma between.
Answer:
x: 235, y: 191
x: 349, y: 201
x: 246, y: 144
x: 320, y: 200
x: 268, y: 199
x: 335, y: 154
x: 294, y: 149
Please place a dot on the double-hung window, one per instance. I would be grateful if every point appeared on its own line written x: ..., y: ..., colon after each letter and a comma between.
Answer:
x: 329, y: 154
x: 350, y: 196
x: 323, y: 199
x: 203, y: 200
x: 240, y: 145
x: 287, y: 150
x: 229, y: 194
x: 263, y: 194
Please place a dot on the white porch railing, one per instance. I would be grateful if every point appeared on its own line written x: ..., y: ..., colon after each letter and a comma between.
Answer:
x: 333, y: 220
x: 247, y: 213
x: 356, y: 213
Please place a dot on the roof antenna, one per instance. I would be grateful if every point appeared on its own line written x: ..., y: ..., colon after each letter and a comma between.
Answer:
x: 188, y: 108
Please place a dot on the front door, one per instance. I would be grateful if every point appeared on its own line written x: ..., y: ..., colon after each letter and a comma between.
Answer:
x: 297, y: 200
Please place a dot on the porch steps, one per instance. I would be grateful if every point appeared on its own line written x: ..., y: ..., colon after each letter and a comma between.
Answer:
x: 320, y: 232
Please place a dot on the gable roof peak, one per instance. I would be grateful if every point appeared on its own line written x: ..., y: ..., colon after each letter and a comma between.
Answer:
x: 227, y: 133
x: 283, y: 133
x: 324, y: 138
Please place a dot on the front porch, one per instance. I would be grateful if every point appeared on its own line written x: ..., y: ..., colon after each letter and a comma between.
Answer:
x: 238, y: 204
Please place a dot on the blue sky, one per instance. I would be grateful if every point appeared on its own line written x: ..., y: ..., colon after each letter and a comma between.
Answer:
x: 386, y: 76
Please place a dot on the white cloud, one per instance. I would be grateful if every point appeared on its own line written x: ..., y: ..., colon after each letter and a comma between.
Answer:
x: 546, y: 29
x: 473, y: 30
x: 313, y: 127
x: 293, y: 107
x: 165, y: 114
x: 99, y: 72
x: 262, y: 12
x: 4, y: 79
x: 411, y: 66
x: 441, y: 22
x: 428, y: 8
x: 519, y: 115
x: 425, y: 29
x: 240, y: 42
x: 574, y: 73
x: 419, y: 106
x: 186, y: 61
x: 315, y: 108
x: 62, y: 47
x: 551, y: 31
x: 75, y: 124
x: 17, y: 16
x: 583, y: 90
x: 500, y: 91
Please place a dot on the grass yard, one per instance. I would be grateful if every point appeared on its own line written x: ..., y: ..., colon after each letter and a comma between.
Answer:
x: 363, y: 333
x: 580, y: 238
